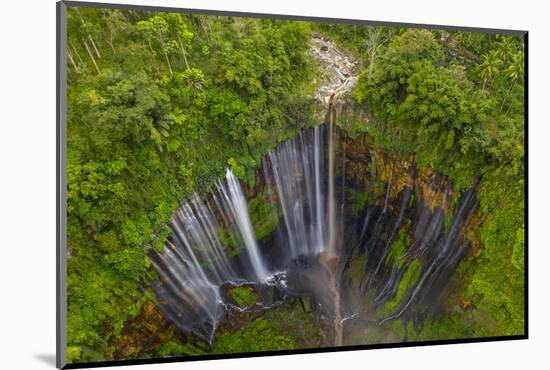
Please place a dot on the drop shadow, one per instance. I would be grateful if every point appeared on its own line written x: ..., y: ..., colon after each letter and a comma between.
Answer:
x: 46, y: 358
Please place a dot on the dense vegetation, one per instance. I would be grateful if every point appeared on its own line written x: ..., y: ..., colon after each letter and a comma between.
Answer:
x: 456, y: 101
x: 159, y: 104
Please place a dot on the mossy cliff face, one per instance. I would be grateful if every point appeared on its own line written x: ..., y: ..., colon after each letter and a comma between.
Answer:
x: 403, y: 201
x: 366, y: 167
x: 468, y: 307
x: 367, y: 180
x: 386, y: 205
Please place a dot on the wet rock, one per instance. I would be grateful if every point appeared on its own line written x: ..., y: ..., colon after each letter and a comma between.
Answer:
x: 256, y: 301
x: 336, y: 67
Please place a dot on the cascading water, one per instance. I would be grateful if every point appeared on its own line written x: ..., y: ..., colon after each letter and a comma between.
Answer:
x: 295, y: 176
x: 234, y: 204
x: 316, y: 240
x: 191, y: 291
x: 331, y: 248
x: 195, y: 264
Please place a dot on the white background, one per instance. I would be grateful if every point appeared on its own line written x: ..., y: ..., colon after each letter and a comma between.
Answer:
x: 27, y: 182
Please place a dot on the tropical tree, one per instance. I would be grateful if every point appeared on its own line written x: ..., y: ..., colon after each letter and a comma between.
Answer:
x: 490, y: 67
x: 157, y: 27
x: 376, y: 38
x: 515, y: 73
x: 506, y: 48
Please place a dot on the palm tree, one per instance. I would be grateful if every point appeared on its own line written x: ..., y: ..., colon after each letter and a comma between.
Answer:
x: 515, y: 73
x: 489, y: 68
x: 506, y: 49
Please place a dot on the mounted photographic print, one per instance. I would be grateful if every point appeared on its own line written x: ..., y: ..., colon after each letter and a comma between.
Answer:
x: 236, y: 185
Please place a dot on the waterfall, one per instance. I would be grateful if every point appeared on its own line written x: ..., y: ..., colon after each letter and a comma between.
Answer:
x: 331, y: 247
x: 185, y: 282
x: 235, y: 204
x: 445, y: 254
x: 318, y: 203
x: 213, y: 245
x: 194, y: 263
x: 296, y: 178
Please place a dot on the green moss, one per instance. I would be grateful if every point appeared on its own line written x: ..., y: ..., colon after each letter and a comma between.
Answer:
x: 303, y: 327
x: 408, y: 281
x: 263, y: 218
x: 264, y: 221
x: 473, y: 323
x: 82, y: 354
x: 495, y: 283
x: 359, y: 199
x: 228, y: 238
x: 399, y: 245
x: 243, y: 296
x: 174, y: 348
x: 356, y: 266
x: 518, y: 253
x: 258, y: 335
x: 379, y: 190
x: 73, y: 353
